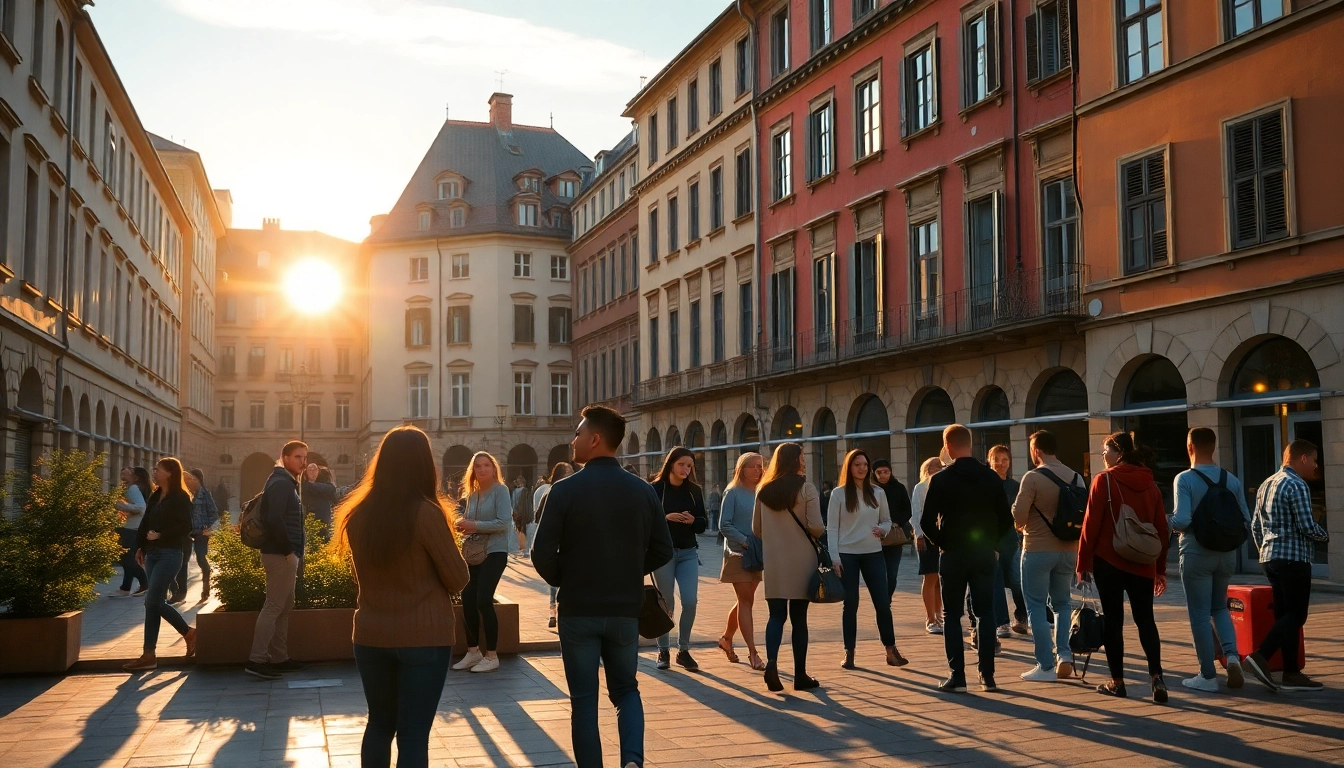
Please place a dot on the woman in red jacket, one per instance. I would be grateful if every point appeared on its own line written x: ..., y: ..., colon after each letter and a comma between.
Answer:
x: 1126, y: 481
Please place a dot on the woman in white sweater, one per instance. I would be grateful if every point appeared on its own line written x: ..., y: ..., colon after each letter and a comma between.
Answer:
x: 855, y: 524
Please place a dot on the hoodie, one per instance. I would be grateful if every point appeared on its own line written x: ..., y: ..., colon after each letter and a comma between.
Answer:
x: 965, y: 509
x: 1129, y: 484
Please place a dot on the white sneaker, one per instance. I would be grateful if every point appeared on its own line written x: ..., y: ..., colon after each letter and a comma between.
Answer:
x: 1038, y: 675
x: 933, y: 628
x: 119, y: 593
x: 1200, y: 683
x: 470, y: 660
x: 486, y: 664
x: 1003, y: 631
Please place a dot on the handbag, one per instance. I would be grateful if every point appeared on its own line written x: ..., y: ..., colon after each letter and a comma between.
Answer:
x: 655, y: 620
x: 825, y: 585
x: 753, y: 557
x: 896, y: 537
x: 474, y: 545
x: 1087, y: 630
x: 1134, y: 540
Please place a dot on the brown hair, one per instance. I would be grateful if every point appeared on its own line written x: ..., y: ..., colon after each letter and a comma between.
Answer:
x: 957, y: 436
x: 1044, y: 441
x: 742, y: 461
x: 673, y: 456
x: 292, y: 446
x: 1297, y: 449
x: 852, y: 487
x: 780, y: 486
x: 175, y: 481
x: 1000, y: 449
x: 607, y: 423
x: 1204, y: 439
x: 1130, y: 451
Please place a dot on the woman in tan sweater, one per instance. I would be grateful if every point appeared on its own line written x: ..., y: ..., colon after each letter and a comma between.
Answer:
x: 407, y: 563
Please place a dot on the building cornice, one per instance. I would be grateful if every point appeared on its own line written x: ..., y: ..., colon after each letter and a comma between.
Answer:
x: 681, y: 158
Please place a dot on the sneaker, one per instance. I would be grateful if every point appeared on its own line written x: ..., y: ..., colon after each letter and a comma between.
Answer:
x: 486, y: 664
x: 685, y: 661
x: 119, y: 593
x: 987, y: 684
x: 289, y: 665
x: 1201, y: 683
x: 1020, y: 627
x: 178, y: 597
x: 664, y: 659
x: 550, y: 623
x: 1300, y: 682
x: 1064, y: 670
x: 139, y: 592
x: 933, y: 628
x: 1003, y: 631
x: 1260, y: 668
x: 470, y: 660
x: 262, y: 671
x: 1235, y: 679
x: 953, y: 684
x: 142, y: 664
x: 998, y: 648
x: 1037, y: 674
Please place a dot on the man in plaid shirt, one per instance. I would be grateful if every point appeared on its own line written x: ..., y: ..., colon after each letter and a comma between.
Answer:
x: 1286, y: 534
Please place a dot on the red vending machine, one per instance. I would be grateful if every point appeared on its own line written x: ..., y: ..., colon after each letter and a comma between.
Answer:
x: 1252, y: 609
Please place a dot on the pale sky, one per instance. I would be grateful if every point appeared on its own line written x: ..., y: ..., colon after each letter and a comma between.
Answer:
x: 318, y: 111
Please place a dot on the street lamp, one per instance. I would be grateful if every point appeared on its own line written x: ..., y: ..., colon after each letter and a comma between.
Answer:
x: 300, y: 387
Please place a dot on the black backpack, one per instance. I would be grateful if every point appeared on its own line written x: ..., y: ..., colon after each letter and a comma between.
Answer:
x: 251, y: 524
x: 1068, y: 522
x: 1217, y: 522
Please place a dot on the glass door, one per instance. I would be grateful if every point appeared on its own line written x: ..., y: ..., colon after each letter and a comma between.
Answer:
x: 1259, y: 452
x: 1307, y: 426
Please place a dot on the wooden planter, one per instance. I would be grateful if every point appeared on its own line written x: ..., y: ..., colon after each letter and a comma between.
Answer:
x: 40, y: 646
x: 315, y: 634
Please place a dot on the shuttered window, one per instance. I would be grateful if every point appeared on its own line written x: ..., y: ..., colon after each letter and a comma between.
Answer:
x: 1048, y: 41
x: 1259, y: 175
x: 417, y: 327
x: 1145, y: 212
x: 524, y: 324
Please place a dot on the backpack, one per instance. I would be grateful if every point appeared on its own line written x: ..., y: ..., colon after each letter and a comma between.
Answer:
x: 1217, y: 522
x: 251, y: 527
x: 1068, y: 522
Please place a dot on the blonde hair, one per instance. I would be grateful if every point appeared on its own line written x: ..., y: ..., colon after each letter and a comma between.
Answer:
x: 470, y: 484
x: 929, y: 468
x: 742, y: 462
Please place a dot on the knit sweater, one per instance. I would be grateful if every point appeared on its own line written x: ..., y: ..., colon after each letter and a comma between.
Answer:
x: 493, y: 513
x: 851, y: 533
x: 735, y: 519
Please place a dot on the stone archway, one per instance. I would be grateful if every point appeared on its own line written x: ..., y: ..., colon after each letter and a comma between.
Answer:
x: 256, y: 468
x: 522, y: 462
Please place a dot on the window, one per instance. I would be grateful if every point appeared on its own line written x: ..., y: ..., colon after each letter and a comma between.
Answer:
x: 531, y: 184
x: 522, y: 393
x: 459, y: 325
x: 524, y: 324
x: 230, y: 309
x: 715, y: 91
x: 1140, y: 39
x: 823, y: 306
x: 781, y: 165
x: 460, y: 386
x: 625, y: 370
x: 458, y: 218
x: 522, y: 265
x: 673, y: 341
x: 1060, y: 223
x: 653, y: 138
x: 1145, y: 214
x: 653, y: 347
x: 671, y: 124
x: 863, y: 8
x: 559, y: 267
x: 743, y: 181
x: 717, y: 326
x: 634, y: 262
x: 39, y: 36
x: 715, y: 198
x: 821, y: 23
x: 418, y: 396
x: 693, y: 211
x: 695, y: 334
x: 226, y: 414
x: 746, y: 327
x: 560, y: 394
x: 256, y: 414
x: 984, y: 238
x: 564, y: 188
x: 417, y: 327
x: 779, y: 42
x: 1048, y: 49
x: 527, y: 215
x: 600, y: 292
x: 284, y: 415
x: 256, y: 361
x: 559, y: 322
x: 980, y: 49
x: 821, y: 142
x: 921, y: 84
x: 868, y: 116
x: 1246, y: 15
x: 259, y: 307
x: 449, y: 190
x: 1258, y: 200
x: 286, y: 364
x: 781, y: 311
x: 653, y: 235
x: 924, y: 283
x: 461, y: 266
x: 228, y: 361
x: 313, y: 418
x: 693, y: 106
x: 743, y: 56
x: 673, y: 222
x: 342, y: 413
x: 419, y: 268
x: 424, y: 221
x: 342, y: 361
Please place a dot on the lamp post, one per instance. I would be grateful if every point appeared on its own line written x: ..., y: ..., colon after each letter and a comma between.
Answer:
x: 300, y: 386
x: 501, y: 416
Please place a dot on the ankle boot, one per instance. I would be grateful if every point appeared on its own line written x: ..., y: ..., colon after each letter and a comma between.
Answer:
x: 772, y: 677
x: 894, y: 657
x: 849, y: 659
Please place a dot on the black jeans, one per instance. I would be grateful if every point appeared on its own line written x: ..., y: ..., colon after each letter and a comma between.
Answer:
x: 200, y: 543
x: 873, y: 567
x: 1113, y: 585
x: 402, y: 687
x: 958, y: 572
x: 796, y: 612
x: 893, y: 558
x: 1291, y: 581
x: 478, y: 599
x: 130, y: 570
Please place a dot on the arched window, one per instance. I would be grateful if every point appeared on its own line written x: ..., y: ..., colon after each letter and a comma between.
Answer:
x: 1064, y: 394
x: 992, y: 411
x: 933, y: 412
x: 872, y: 423
x: 788, y: 425
x: 1155, y: 385
x: 825, y: 463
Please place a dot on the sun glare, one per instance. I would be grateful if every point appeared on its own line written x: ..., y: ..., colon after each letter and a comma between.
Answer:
x: 313, y: 286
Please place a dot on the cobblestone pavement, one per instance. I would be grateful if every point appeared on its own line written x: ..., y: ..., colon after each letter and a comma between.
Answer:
x: 721, y: 716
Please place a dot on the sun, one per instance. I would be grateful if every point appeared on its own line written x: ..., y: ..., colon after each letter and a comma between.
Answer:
x: 313, y: 286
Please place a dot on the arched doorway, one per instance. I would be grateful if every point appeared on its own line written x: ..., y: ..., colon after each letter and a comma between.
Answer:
x: 558, y: 454
x: 1061, y: 407
x: 66, y: 431
x: 673, y: 438
x: 718, y: 457
x: 825, y: 462
x: 256, y: 468
x: 455, y: 461
x: 989, y: 428
x: 85, y: 425
x: 695, y: 440
x: 653, y: 449
x: 871, y: 431
x: 933, y: 412
x: 522, y: 463
x: 27, y: 437
x: 748, y: 435
x: 632, y: 457
x: 1156, y: 392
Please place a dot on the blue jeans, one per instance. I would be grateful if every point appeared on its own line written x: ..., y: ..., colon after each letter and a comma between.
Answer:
x: 200, y: 545
x: 684, y: 570
x: 584, y: 642
x: 1049, y: 575
x: 1205, y: 577
x: 161, y: 568
x: 402, y: 687
x: 893, y: 558
x: 130, y: 570
x: 873, y: 567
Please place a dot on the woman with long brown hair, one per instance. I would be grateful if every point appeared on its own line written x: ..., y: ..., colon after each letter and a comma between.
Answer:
x: 163, y: 532
x: 735, y: 527
x: 488, y: 511
x: 407, y: 563
x: 787, y: 519
x: 684, y: 505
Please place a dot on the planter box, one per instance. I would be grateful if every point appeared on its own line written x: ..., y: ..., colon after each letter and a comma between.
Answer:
x: 315, y: 634
x: 40, y: 646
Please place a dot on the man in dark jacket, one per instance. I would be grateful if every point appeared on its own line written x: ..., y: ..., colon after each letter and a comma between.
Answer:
x: 965, y: 515
x: 282, y: 514
x: 602, y: 530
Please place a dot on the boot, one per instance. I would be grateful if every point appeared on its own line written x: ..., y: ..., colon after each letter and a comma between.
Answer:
x: 772, y: 677
x: 849, y: 659
x: 894, y: 657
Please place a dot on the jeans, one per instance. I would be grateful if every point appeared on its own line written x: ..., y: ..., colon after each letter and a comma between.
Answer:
x: 584, y: 642
x: 130, y: 570
x: 893, y: 557
x: 1049, y: 575
x: 200, y: 543
x: 1291, y: 581
x: 958, y: 572
x: 478, y: 599
x: 796, y: 612
x: 555, y: 592
x: 402, y: 687
x: 873, y: 567
x: 1204, y: 577
x: 684, y: 570
x: 1010, y: 573
x: 1113, y: 585
x: 270, y: 638
x: 161, y: 567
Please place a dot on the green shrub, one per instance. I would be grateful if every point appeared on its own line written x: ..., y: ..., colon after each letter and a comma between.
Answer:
x: 62, y: 542
x: 327, y: 580
x: 236, y: 570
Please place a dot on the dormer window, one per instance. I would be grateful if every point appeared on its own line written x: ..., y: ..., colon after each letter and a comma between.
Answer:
x: 458, y: 218
x: 531, y: 184
x: 424, y: 221
x: 527, y: 215
x: 564, y: 188
x: 450, y: 190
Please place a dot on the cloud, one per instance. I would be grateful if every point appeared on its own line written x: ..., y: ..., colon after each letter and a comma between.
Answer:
x: 464, y: 40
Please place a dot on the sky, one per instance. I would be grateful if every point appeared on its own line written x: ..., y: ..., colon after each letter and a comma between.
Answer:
x: 317, y: 112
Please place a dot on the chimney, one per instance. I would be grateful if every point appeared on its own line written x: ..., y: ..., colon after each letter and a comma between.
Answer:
x: 501, y: 111
x: 270, y: 225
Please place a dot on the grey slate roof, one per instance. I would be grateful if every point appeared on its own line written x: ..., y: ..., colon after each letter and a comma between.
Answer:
x: 489, y: 159
x: 611, y: 159
x: 163, y: 145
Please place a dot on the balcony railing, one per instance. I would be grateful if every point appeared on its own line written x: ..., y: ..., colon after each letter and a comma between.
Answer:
x: 1018, y: 299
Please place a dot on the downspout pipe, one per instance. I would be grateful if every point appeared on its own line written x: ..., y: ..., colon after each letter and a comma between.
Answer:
x: 66, y: 255
x: 1017, y: 142
x: 756, y: 194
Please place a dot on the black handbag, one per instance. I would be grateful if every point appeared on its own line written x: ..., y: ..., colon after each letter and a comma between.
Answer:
x: 825, y: 585
x: 654, y: 618
x: 1087, y: 631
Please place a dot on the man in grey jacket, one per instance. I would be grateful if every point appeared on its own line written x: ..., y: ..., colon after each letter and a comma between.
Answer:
x: 282, y: 514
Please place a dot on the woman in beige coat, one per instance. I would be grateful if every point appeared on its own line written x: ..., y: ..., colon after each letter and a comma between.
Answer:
x: 785, y: 504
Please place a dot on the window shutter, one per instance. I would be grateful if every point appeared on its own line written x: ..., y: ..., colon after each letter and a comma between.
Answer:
x: 1033, y: 47
x: 1245, y: 207
x: 992, y: 47
x: 1000, y: 249
x: 1133, y: 173
x: 466, y: 325
x: 904, y: 95
x: 1157, y: 186
x: 410, y: 316
x: 937, y: 77
x: 1065, y: 35
x: 880, y: 277
x: 1274, y: 204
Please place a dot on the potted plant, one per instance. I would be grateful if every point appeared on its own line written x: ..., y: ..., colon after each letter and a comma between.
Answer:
x: 57, y: 546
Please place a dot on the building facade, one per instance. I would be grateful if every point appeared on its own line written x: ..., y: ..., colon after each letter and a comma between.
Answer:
x: 1215, y: 234
x: 92, y: 247
x: 473, y: 258
x: 284, y: 375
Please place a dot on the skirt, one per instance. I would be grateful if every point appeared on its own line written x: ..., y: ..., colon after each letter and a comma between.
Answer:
x: 928, y: 559
x: 733, y: 573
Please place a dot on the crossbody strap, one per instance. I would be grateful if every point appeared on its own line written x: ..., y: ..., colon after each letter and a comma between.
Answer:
x: 821, y: 553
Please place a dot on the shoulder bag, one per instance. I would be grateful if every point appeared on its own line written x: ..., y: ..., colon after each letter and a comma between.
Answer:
x: 825, y: 585
x: 474, y: 545
x: 1134, y: 540
x: 655, y: 620
x: 1087, y: 631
